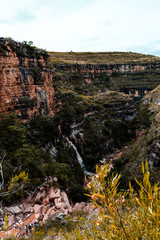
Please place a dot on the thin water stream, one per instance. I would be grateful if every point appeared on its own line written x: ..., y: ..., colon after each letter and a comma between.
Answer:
x: 79, y: 158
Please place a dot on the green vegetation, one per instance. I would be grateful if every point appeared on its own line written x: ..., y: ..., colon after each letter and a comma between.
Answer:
x: 23, y: 49
x: 100, y: 114
x: 145, y: 144
x: 27, y: 148
x: 142, y: 80
x: 129, y: 215
x: 99, y: 124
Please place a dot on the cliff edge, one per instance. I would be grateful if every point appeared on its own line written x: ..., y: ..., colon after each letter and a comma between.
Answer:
x: 25, y: 80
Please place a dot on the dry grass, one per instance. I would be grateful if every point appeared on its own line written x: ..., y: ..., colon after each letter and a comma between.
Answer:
x: 101, y: 57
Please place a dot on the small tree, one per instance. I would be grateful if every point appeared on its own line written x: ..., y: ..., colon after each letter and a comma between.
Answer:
x: 15, y: 184
x: 121, y: 214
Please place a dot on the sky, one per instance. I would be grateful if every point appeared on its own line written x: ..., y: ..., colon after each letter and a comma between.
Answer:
x: 84, y: 25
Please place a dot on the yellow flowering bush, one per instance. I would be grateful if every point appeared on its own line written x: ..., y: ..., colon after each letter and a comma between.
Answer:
x: 119, y: 215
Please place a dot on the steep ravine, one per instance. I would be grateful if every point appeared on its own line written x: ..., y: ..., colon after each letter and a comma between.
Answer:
x: 146, y: 146
x: 96, y: 107
x: 131, y: 78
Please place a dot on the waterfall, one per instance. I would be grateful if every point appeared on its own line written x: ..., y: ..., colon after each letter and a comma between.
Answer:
x: 79, y: 158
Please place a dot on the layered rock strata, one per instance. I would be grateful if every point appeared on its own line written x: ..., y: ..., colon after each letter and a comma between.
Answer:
x: 25, y: 80
x: 90, y: 71
x: 135, y: 79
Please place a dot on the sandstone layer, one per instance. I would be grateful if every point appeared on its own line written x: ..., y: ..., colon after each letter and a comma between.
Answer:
x: 25, y: 80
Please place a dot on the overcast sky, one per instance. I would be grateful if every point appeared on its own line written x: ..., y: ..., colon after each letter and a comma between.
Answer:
x: 84, y: 25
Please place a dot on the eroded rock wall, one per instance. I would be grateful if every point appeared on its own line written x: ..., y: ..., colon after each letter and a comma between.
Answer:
x: 25, y: 80
x: 90, y: 71
x: 135, y: 79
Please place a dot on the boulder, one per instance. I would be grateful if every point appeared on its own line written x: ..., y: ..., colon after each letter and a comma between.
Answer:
x: 45, y: 201
x: 57, y: 200
x: 49, y: 214
x: 53, y: 194
x: 49, y: 179
x: 11, y: 220
x: 89, y: 208
x: 52, y: 212
x: 37, y: 215
x: 27, y: 208
x: 77, y: 207
x: 62, y: 207
x: 45, y: 218
x: 37, y: 208
x: 39, y: 197
x: 64, y: 197
x: 45, y: 209
x: 63, y: 201
x: 14, y: 210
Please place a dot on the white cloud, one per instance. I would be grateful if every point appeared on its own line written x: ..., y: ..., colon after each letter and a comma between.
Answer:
x: 86, y: 25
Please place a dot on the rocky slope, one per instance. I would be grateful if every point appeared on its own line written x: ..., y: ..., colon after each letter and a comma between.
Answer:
x: 94, y: 119
x: 85, y: 99
x: 146, y: 146
x: 40, y: 206
x: 25, y: 80
x: 132, y: 78
x: 131, y: 73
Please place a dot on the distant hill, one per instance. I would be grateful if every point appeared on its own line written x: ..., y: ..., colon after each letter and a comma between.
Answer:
x: 101, y: 57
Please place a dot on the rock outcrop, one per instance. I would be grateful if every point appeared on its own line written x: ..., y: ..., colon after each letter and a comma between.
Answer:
x: 146, y: 146
x: 95, y: 70
x: 135, y: 79
x: 42, y: 205
x: 25, y: 80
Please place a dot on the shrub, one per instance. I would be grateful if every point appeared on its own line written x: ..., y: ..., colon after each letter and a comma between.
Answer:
x: 122, y: 214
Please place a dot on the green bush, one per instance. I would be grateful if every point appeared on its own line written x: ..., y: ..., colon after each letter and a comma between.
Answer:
x: 120, y: 215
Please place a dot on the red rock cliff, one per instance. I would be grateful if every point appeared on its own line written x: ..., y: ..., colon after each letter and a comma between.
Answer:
x: 91, y: 71
x: 25, y: 80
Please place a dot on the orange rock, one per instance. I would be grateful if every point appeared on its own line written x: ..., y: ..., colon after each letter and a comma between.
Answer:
x: 25, y: 82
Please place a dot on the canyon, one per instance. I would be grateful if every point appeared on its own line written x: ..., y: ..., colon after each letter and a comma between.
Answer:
x: 80, y: 88
x: 61, y: 118
x: 27, y: 78
x: 32, y: 83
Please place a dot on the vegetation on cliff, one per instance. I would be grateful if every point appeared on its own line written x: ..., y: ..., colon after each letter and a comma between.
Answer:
x: 100, y: 118
x: 22, y: 49
x: 146, y: 146
x: 126, y: 215
x: 100, y: 57
x: 97, y: 119
x: 27, y: 147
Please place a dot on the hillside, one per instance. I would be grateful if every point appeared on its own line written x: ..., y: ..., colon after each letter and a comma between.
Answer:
x: 131, y: 73
x: 146, y: 146
x: 63, y: 115
x: 101, y: 57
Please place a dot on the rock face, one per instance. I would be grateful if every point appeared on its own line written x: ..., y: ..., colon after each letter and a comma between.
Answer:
x: 53, y: 202
x: 25, y: 80
x: 135, y: 79
x: 90, y: 71
x: 94, y: 70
